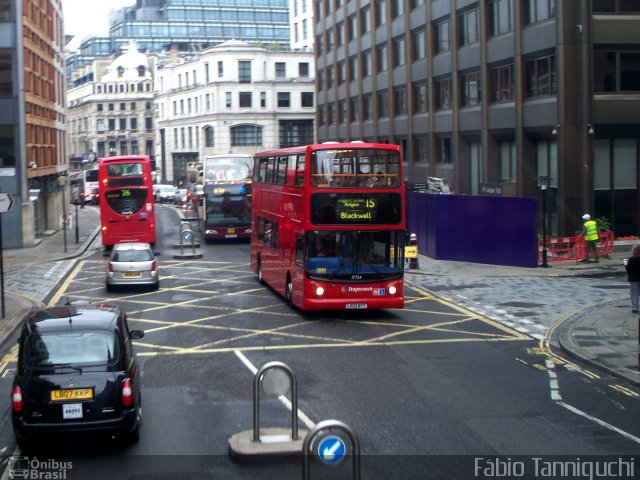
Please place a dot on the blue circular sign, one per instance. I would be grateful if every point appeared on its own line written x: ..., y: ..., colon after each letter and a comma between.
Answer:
x: 331, y: 450
x: 186, y: 235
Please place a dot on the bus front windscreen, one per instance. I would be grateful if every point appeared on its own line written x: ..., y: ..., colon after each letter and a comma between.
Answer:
x: 355, y: 168
x: 227, y: 169
x: 368, y: 255
x: 228, y: 209
x: 126, y: 201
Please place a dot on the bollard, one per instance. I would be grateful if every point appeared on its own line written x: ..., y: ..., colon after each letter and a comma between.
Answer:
x: 186, y: 235
x: 330, y: 448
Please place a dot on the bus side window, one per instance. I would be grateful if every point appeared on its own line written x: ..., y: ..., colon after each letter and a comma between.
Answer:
x: 271, y: 168
x: 282, y: 170
x: 300, y: 171
x: 299, y: 250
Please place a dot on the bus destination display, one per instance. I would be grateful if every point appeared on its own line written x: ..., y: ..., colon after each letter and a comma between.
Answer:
x: 346, y: 209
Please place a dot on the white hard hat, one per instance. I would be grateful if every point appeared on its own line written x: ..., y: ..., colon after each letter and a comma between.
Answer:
x: 413, y: 236
x: 586, y: 216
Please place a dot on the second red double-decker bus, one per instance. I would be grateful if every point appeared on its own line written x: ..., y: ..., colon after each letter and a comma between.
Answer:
x: 126, y: 200
x: 328, y: 225
x: 226, y: 197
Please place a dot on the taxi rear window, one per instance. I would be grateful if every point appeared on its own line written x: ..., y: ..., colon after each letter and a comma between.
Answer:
x: 83, y: 348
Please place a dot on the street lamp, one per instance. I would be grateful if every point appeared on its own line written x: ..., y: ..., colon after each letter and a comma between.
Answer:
x: 543, y: 183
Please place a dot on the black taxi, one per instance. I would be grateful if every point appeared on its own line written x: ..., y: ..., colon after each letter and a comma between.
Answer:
x: 77, y: 373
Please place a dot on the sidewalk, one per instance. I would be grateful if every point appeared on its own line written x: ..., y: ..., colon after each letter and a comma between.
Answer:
x: 25, y: 283
x: 597, y: 328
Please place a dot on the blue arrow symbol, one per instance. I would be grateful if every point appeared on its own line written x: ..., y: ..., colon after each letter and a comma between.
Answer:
x: 331, y: 450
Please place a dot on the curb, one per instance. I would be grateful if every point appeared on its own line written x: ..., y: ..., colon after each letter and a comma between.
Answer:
x: 569, y: 346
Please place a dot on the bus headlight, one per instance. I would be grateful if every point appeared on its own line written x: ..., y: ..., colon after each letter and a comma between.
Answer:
x: 319, y: 291
x: 392, y: 290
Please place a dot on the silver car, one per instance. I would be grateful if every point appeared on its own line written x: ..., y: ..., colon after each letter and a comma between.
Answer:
x: 132, y: 264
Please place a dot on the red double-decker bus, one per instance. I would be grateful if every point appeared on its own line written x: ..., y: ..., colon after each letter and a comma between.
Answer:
x: 328, y: 225
x: 226, y: 197
x: 126, y: 200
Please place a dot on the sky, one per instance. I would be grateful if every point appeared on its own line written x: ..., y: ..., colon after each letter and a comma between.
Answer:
x: 84, y: 18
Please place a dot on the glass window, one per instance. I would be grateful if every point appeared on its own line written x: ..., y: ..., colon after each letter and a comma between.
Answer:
x: 7, y: 146
x: 246, y: 135
x: 625, y: 154
x: 244, y: 71
x: 280, y: 69
x: 399, y: 53
x: 441, y: 36
x: 306, y: 99
x: 383, y: 104
x: 244, y: 99
x: 499, y: 17
x: 303, y: 69
x: 419, y: 42
x: 470, y: 89
x: 501, y: 79
x: 604, y: 72
x: 629, y: 71
x: 6, y: 73
x: 541, y: 76
x: 420, y: 98
x: 84, y: 347
x: 468, y: 27
x: 400, y: 101
x: 355, y: 168
x: 381, y: 52
x: 443, y: 94
x: 284, y: 99
x: 538, y: 10
x: 381, y: 12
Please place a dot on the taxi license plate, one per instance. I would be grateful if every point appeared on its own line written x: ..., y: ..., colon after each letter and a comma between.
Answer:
x: 72, y: 410
x: 356, y: 306
x: 131, y: 274
x: 72, y: 394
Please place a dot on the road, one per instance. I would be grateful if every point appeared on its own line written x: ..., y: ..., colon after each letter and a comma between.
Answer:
x: 428, y: 389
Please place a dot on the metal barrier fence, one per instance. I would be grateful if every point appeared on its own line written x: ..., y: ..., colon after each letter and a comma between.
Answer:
x: 564, y: 249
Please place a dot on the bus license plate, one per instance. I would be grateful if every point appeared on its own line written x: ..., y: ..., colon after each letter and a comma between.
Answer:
x: 356, y: 306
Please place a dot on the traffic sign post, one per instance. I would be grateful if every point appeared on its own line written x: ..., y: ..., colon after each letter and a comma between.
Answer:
x: 331, y: 441
x: 6, y: 204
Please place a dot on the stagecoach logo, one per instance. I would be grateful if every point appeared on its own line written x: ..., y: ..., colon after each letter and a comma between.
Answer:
x: 32, y: 468
x: 374, y: 291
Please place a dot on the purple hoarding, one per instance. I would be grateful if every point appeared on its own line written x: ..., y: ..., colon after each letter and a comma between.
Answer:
x: 476, y: 229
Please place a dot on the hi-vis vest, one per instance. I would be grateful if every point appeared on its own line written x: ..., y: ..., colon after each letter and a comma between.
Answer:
x: 592, y: 230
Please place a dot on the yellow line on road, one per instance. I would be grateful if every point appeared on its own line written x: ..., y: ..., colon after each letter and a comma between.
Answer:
x: 10, y: 357
x: 625, y: 390
x: 63, y: 288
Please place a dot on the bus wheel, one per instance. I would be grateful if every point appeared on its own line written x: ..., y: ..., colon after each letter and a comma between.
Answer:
x: 260, y: 279
x: 289, y: 292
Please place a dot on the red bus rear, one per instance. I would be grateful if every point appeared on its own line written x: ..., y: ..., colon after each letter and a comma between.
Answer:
x: 126, y: 200
x: 328, y: 225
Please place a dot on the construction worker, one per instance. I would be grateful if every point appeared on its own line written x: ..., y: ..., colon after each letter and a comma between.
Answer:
x: 591, y: 237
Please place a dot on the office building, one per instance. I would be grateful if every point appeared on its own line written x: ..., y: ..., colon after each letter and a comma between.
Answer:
x: 499, y: 97
x: 189, y: 26
x: 233, y: 98
x: 301, y: 24
x: 32, y: 119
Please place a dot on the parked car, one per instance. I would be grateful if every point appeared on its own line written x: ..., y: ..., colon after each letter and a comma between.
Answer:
x: 77, y: 373
x: 164, y: 193
x: 132, y: 263
x: 181, y: 196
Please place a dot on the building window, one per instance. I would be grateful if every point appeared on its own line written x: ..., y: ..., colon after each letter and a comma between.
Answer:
x: 421, y: 150
x: 468, y: 27
x: 263, y: 99
x: 123, y: 148
x: 340, y: 71
x: 501, y: 79
x: 397, y: 8
x: 134, y: 147
x: 320, y: 113
x: 470, y: 89
x: 365, y: 20
x: 244, y: 71
x: 367, y: 108
x: 616, y: 6
x: 148, y: 123
x: 443, y: 150
x: 306, y: 99
x: 123, y: 123
x: 284, y: 99
x: 441, y: 37
x: 420, y: 98
x: 100, y: 125
x: 499, y: 17
x: 244, y: 99
x: 383, y: 104
x: 112, y: 124
x: 416, y: 3
x: 399, y: 52
x: 353, y: 68
x: 475, y: 167
x: 303, y: 69
x: 209, y: 139
x: 366, y: 64
x: 443, y: 94
x: 353, y: 109
x: 339, y: 34
x: 111, y: 107
x: 352, y: 27
x: 148, y: 147
x: 508, y: 162
x: 99, y: 107
x: 616, y: 71
x: 381, y: 13
x: 342, y: 111
x: 246, y: 135
x: 141, y: 71
x: 541, y: 76
x: 227, y: 99
x: 280, y: 69
x: 331, y: 114
x: 381, y: 53
x: 400, y: 101
x: 538, y: 10
x: 220, y: 69
x: 134, y: 123
x: 419, y: 43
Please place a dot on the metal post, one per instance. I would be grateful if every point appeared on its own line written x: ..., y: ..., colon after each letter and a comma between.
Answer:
x: 544, y: 225
x: 256, y: 398
x: 64, y: 218
x: 77, y: 226
x: 1, y: 267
